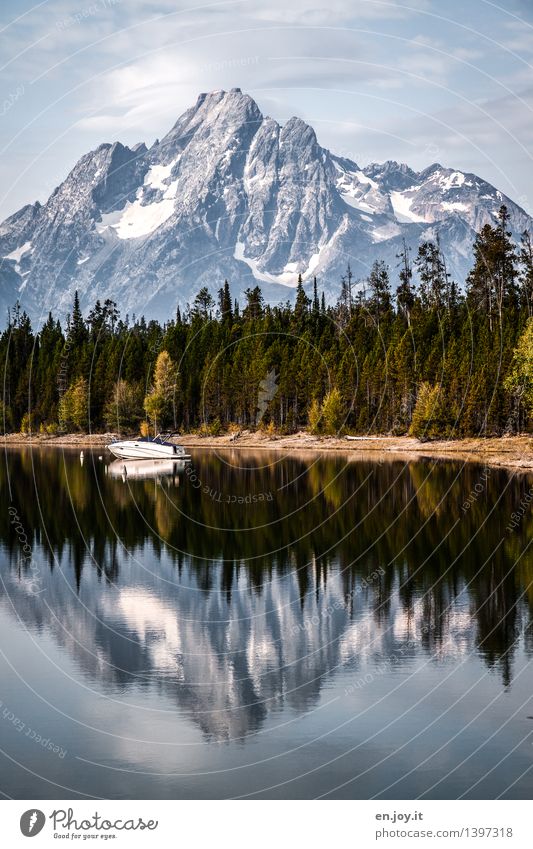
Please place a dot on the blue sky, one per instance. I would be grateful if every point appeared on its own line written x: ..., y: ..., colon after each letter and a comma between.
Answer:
x: 418, y: 81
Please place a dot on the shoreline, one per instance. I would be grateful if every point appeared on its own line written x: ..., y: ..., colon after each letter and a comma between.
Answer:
x: 512, y: 452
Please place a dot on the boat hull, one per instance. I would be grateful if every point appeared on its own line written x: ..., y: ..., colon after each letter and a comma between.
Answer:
x: 139, y: 450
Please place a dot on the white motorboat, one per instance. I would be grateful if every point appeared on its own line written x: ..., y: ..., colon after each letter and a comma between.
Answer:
x: 148, y: 448
x: 146, y: 469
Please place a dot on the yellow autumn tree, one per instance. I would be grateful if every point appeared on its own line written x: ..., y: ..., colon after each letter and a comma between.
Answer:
x: 314, y: 416
x: 124, y: 408
x: 332, y: 412
x: 159, y: 402
x: 430, y: 416
x: 73, y: 412
x: 520, y: 379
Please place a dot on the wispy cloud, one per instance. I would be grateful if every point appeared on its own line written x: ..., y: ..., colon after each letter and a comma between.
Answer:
x: 379, y: 78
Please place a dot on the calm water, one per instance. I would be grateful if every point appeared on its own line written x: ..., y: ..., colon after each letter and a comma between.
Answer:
x: 266, y: 626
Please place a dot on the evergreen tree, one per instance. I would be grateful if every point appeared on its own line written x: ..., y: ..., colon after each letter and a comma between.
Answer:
x: 380, y: 301
x: 316, y: 302
x: 526, y: 272
x: 203, y: 304
x: 224, y: 303
x: 77, y: 329
x: 431, y: 269
x: 384, y: 360
x: 347, y: 289
x: 95, y: 320
x: 254, y: 304
x: 491, y: 285
x: 301, y: 307
x: 405, y: 294
x: 6, y: 419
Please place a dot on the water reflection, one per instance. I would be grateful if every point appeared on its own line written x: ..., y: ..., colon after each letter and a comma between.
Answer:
x: 270, y: 562
x: 244, y: 587
x: 158, y: 470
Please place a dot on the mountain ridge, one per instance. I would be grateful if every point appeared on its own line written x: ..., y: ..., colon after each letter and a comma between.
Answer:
x: 230, y: 193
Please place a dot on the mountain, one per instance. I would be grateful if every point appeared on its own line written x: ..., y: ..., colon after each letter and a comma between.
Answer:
x: 229, y: 193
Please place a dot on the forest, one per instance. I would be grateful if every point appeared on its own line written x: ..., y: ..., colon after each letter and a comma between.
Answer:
x: 405, y: 351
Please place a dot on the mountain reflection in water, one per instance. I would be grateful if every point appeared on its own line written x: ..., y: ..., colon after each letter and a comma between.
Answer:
x: 256, y: 581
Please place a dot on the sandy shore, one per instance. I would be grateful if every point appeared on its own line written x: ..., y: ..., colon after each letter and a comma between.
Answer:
x: 514, y: 452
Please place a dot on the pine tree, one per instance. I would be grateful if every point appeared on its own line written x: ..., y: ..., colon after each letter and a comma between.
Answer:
x: 491, y: 285
x: 433, y: 276
x: 346, y: 290
x: 77, y: 330
x: 110, y: 315
x: 224, y: 303
x: 95, y: 320
x: 254, y: 304
x: 526, y: 272
x: 301, y: 307
x: 202, y: 304
x: 385, y: 368
x: 380, y: 301
x: 316, y: 302
x: 405, y: 294
x: 6, y: 419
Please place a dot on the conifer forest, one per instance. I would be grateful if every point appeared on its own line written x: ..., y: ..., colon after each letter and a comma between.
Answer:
x: 405, y: 351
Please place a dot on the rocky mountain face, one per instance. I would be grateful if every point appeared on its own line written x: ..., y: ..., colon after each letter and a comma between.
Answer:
x: 229, y: 193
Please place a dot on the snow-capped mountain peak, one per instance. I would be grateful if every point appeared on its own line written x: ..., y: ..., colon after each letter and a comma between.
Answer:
x: 230, y: 193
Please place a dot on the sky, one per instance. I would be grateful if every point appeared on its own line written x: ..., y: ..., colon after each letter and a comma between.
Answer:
x: 418, y: 81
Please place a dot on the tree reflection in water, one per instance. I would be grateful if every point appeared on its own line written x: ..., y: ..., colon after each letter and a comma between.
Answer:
x: 249, y: 579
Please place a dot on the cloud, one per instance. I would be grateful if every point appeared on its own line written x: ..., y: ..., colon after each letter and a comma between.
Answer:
x: 489, y: 137
x: 381, y: 78
x: 312, y: 13
x: 156, y: 87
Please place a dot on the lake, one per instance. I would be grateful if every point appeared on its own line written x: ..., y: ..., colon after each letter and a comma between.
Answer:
x: 260, y: 625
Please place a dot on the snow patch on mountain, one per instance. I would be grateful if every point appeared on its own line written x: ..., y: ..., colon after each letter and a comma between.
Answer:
x: 357, y: 189
x: 157, y: 176
x: 19, y: 256
x: 388, y: 230
x: 138, y: 219
x: 401, y: 203
x: 454, y: 206
x: 450, y: 181
x: 18, y: 253
x: 253, y: 265
x: 289, y: 275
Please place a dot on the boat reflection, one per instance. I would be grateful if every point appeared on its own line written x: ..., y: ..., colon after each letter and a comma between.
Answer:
x: 159, y: 470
